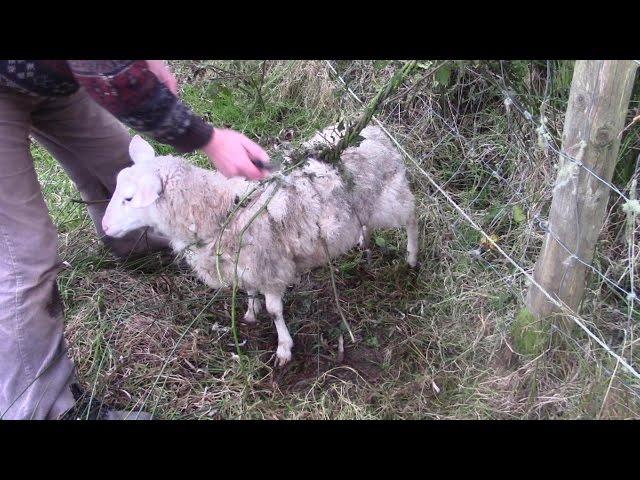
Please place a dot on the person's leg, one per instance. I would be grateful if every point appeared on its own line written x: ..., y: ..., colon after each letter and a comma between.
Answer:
x: 35, y: 371
x: 92, y: 146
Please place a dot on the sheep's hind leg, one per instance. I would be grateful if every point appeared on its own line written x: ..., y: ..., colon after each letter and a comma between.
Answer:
x: 253, y: 308
x: 285, y: 342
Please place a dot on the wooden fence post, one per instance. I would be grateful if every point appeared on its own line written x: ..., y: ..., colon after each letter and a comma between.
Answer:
x: 598, y: 103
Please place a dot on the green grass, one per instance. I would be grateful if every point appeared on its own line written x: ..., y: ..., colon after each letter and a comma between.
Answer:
x: 435, y: 343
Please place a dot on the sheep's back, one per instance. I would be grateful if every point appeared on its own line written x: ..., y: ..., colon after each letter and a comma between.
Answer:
x: 321, y: 203
x: 312, y: 207
x: 371, y: 167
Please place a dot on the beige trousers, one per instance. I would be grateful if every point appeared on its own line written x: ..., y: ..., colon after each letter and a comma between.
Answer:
x: 92, y: 147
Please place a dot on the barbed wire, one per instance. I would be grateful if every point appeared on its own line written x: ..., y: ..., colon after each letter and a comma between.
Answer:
x: 550, y: 141
x: 555, y: 301
x: 630, y: 295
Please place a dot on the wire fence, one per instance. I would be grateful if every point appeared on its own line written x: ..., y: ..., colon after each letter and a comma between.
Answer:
x: 538, y: 127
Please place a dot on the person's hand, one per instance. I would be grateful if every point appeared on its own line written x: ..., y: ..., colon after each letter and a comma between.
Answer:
x: 234, y: 154
x: 161, y: 70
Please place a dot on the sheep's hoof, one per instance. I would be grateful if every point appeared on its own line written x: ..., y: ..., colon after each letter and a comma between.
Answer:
x: 415, y: 266
x: 283, y: 354
x: 413, y: 262
x: 249, y: 319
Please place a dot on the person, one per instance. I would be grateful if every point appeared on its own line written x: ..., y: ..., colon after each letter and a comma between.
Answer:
x: 78, y: 110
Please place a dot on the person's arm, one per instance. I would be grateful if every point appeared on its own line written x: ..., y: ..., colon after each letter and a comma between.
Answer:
x: 139, y: 94
x: 161, y: 70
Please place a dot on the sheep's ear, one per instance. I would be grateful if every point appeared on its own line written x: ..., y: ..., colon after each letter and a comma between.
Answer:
x: 140, y: 150
x: 149, y: 188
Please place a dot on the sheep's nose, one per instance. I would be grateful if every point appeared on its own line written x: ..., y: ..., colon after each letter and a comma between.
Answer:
x: 105, y: 227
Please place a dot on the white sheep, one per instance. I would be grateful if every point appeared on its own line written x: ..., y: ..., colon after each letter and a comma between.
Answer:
x: 308, y: 212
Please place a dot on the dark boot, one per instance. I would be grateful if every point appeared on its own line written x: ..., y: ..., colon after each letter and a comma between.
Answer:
x: 93, y: 409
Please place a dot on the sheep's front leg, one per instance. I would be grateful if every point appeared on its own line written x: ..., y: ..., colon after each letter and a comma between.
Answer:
x: 285, y: 342
x: 365, y: 242
x: 365, y: 238
x: 253, y: 308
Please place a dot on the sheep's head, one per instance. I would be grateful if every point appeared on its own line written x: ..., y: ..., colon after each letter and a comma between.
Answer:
x: 137, y: 189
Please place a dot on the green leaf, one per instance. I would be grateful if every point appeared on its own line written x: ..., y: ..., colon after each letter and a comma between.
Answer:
x: 381, y: 242
x: 443, y: 75
x: 518, y: 214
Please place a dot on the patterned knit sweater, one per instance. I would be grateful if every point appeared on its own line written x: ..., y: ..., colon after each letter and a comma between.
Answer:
x: 126, y: 88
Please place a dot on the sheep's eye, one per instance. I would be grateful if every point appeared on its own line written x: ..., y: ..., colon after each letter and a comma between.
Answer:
x: 128, y: 199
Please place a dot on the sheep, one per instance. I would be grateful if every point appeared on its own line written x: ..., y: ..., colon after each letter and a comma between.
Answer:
x: 284, y: 228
